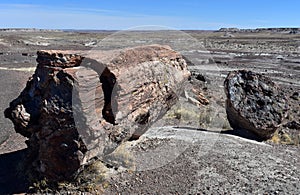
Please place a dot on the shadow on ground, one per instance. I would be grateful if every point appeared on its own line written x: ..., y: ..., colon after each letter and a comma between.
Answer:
x: 12, y: 178
x: 236, y: 132
x: 243, y: 133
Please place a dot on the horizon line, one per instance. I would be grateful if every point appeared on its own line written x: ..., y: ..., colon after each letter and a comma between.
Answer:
x: 189, y: 29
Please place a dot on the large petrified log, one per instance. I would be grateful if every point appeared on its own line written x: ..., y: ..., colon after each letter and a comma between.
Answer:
x: 80, y: 106
x: 254, y: 103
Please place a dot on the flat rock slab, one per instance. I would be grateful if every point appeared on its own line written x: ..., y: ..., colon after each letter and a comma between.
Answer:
x: 185, y: 161
x: 254, y: 103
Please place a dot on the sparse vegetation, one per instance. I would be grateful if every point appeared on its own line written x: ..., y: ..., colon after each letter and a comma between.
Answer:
x: 284, y: 137
x: 204, y: 117
x: 183, y: 114
x: 226, y: 125
x: 42, y: 186
x: 92, y: 179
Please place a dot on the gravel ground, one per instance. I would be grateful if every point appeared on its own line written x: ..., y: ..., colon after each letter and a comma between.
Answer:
x: 12, y: 82
x: 208, y: 163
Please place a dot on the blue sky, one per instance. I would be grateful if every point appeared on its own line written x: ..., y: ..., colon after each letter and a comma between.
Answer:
x: 124, y: 14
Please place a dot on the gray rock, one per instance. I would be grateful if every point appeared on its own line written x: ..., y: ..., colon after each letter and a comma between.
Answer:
x: 254, y: 103
x: 295, y: 96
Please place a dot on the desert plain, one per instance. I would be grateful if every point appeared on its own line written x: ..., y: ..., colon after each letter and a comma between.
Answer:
x: 192, y: 148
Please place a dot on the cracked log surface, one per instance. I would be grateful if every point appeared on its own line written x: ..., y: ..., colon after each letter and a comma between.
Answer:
x: 254, y: 103
x: 79, y: 106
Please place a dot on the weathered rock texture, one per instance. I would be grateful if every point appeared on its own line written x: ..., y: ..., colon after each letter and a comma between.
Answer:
x: 254, y: 103
x: 77, y: 107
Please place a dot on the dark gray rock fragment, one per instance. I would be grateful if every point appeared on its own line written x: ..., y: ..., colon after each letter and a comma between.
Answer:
x: 254, y: 103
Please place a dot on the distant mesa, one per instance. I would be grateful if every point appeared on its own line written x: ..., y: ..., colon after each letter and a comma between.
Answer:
x: 229, y: 30
x: 27, y: 30
x: 261, y: 30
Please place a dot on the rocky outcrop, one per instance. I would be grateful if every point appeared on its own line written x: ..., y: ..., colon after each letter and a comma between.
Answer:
x: 262, y: 30
x: 80, y: 106
x: 254, y: 103
x: 229, y: 30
